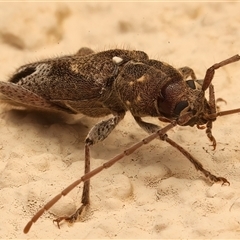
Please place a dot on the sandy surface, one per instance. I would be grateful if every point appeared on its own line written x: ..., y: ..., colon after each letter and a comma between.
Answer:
x: 154, y: 193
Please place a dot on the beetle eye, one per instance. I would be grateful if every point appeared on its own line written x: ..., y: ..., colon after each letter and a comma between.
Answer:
x: 179, y: 107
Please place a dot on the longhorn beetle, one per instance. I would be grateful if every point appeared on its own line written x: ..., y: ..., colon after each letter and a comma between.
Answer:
x: 113, y: 82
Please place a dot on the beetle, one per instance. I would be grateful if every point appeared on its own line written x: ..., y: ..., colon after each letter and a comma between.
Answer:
x: 113, y: 82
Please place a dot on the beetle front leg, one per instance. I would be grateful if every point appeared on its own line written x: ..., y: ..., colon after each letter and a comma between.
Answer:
x: 209, y: 134
x: 149, y: 128
x: 97, y: 134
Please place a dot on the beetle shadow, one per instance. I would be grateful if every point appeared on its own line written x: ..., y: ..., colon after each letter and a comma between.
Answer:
x: 46, y: 125
x: 65, y: 130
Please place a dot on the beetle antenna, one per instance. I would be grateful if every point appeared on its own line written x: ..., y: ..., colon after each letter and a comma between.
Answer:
x: 210, y: 72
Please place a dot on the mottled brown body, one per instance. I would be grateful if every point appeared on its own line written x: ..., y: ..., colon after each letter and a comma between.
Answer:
x: 96, y: 85
x: 111, y: 83
x: 77, y: 83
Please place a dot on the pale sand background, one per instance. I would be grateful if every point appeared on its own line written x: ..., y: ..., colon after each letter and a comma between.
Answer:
x: 154, y: 193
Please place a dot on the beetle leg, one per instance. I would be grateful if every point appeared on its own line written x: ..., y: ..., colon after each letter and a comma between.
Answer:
x: 97, y: 134
x: 149, y: 127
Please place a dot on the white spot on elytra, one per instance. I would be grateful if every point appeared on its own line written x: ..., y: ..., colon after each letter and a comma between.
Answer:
x: 141, y: 79
x: 117, y: 60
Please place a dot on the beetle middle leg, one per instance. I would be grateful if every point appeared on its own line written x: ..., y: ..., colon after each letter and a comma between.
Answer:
x: 97, y: 134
